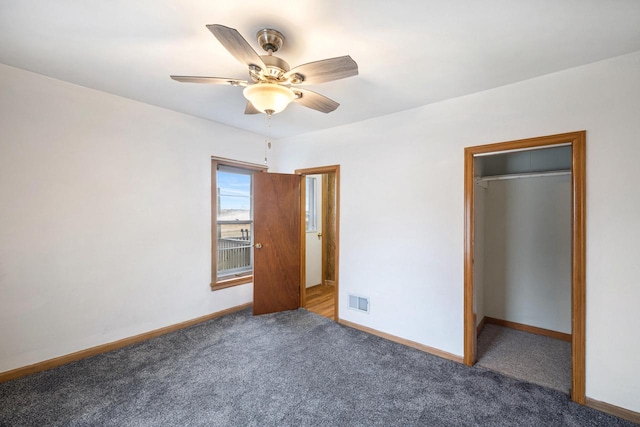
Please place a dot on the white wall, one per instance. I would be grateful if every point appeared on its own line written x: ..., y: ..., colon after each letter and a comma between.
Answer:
x: 402, y: 212
x: 479, y: 205
x: 313, y: 254
x: 105, y: 228
x: 527, y: 251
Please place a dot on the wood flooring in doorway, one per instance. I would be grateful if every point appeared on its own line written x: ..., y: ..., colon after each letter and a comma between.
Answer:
x: 321, y: 300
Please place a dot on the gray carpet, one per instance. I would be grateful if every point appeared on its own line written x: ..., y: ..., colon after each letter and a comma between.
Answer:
x: 288, y: 369
x: 535, y: 358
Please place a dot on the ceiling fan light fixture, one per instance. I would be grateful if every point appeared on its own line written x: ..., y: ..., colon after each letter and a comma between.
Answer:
x: 269, y: 98
x: 272, y: 84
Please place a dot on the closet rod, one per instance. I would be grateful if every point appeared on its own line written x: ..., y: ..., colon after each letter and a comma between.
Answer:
x: 523, y: 175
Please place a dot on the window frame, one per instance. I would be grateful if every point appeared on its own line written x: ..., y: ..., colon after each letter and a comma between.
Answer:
x: 232, y: 280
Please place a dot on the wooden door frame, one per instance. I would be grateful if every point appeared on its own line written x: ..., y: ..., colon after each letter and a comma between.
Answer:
x: 577, y: 141
x: 303, y: 250
x: 325, y: 216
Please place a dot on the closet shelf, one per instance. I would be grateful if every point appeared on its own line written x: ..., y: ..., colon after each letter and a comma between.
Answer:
x: 523, y: 175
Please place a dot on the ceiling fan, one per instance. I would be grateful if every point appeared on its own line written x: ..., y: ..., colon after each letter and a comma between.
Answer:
x: 273, y: 85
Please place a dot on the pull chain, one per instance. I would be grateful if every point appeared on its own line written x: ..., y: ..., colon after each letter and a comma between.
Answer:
x: 267, y: 141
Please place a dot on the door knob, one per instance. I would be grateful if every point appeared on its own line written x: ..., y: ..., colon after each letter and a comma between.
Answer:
x: 319, y: 235
x: 258, y: 245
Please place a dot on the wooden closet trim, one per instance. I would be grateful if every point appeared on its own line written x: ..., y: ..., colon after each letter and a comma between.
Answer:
x: 577, y: 140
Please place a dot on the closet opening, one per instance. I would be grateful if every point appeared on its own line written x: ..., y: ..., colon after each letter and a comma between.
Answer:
x: 524, y: 260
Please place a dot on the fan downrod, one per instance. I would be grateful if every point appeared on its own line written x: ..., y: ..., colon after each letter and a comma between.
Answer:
x: 270, y: 40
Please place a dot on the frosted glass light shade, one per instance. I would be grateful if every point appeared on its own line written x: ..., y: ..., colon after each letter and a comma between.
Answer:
x: 268, y: 98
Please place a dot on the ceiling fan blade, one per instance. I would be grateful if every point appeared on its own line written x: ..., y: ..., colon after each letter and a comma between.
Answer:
x: 236, y: 45
x: 325, y: 70
x: 250, y: 109
x: 210, y: 80
x: 315, y: 101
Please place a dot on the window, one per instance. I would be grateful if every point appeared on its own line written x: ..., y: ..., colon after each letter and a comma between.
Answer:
x: 232, y: 222
x: 311, y: 205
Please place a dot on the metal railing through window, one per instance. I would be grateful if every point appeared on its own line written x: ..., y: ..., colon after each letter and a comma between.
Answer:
x: 234, y: 254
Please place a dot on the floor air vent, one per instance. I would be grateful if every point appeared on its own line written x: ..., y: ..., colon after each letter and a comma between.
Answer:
x: 359, y: 303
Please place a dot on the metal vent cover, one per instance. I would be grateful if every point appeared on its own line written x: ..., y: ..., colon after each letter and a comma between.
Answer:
x: 359, y: 303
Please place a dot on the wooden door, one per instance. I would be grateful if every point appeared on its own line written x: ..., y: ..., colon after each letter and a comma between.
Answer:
x: 329, y: 228
x: 276, y: 263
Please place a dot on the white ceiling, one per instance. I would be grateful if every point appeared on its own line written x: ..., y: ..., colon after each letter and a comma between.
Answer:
x: 409, y: 52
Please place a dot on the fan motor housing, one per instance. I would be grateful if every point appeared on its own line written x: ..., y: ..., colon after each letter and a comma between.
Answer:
x: 276, y: 67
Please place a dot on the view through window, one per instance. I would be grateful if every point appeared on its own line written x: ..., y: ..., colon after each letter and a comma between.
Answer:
x: 234, y: 221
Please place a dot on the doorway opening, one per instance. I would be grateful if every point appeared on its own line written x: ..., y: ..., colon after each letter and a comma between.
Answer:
x: 575, y: 251
x: 319, y: 248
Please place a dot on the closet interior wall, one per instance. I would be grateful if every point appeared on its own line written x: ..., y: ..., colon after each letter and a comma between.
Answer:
x: 522, y: 259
